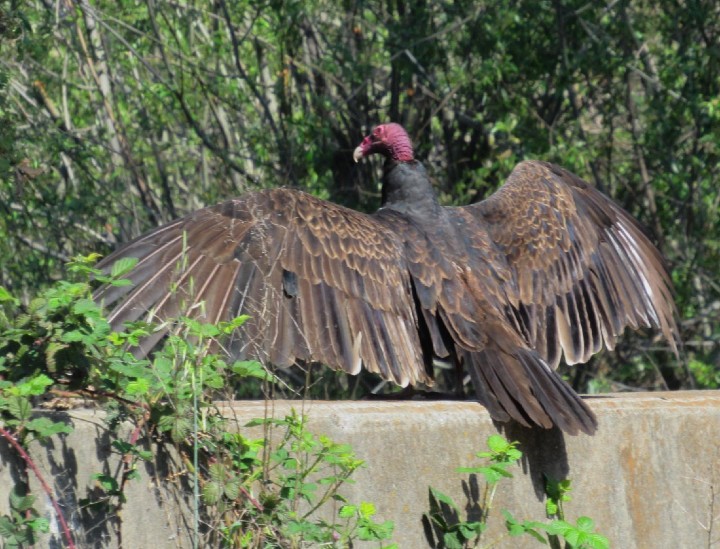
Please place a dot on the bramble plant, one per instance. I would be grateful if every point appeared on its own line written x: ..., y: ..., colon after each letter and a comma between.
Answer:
x: 252, y: 494
x: 455, y: 533
x: 302, y: 473
x: 20, y: 528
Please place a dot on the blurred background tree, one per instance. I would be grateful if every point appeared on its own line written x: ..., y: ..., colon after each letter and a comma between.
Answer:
x: 118, y: 116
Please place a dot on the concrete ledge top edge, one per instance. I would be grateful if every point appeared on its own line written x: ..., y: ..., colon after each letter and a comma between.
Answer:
x: 600, y: 403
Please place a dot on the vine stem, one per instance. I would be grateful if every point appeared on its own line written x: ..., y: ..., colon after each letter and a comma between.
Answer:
x: 7, y: 435
x: 252, y: 500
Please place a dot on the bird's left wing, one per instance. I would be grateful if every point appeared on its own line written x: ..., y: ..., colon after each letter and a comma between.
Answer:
x: 582, y: 268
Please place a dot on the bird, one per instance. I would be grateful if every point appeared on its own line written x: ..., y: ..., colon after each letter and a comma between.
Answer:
x: 547, y: 267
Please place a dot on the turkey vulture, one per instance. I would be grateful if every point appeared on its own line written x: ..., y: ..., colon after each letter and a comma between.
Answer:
x: 546, y: 266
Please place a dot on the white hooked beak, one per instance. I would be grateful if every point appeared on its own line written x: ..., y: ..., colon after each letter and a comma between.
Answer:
x: 358, y: 153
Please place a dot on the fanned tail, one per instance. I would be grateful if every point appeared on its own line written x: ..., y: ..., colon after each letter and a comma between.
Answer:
x: 521, y: 386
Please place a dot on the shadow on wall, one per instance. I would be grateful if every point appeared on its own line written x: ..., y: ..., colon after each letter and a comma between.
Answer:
x: 93, y: 502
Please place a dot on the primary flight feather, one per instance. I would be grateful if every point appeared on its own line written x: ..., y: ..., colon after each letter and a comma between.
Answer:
x: 545, y: 267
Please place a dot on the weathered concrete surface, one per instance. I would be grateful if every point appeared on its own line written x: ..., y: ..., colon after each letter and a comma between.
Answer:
x: 650, y: 477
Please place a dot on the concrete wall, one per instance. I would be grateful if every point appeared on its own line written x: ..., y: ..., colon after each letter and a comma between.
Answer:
x: 650, y: 477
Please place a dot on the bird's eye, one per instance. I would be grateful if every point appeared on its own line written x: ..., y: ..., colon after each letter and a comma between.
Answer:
x: 377, y: 132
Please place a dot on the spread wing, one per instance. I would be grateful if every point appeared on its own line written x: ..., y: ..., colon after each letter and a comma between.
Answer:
x: 582, y: 268
x: 320, y: 283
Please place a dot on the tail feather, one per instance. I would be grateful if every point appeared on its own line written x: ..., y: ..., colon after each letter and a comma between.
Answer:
x: 521, y: 386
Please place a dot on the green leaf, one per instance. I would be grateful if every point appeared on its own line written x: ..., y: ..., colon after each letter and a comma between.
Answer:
x: 517, y: 528
x: 85, y: 306
x: 44, y: 427
x: 108, y: 483
x: 33, y: 386
x: 308, y: 490
x: 229, y: 327
x: 145, y: 455
x: 551, y: 508
x: 492, y: 473
x: 572, y: 537
x: 471, y: 530
x: 308, y: 531
x: 501, y: 450
x: 217, y: 472
x: 596, y: 541
x: 179, y: 427
x: 7, y: 528
x: 122, y: 446
x: 72, y: 336
x: 20, y: 502
x: 125, y: 448
x: 39, y: 524
x: 120, y: 283
x: 497, y: 444
x: 579, y: 534
x: 6, y: 296
x: 138, y: 387
x: 123, y: 266
x: 232, y: 490
x: 586, y: 524
x: 442, y: 498
x: 372, y: 531
x: 133, y: 474
x: 559, y: 527
x: 252, y: 368
x: 347, y: 511
x: 537, y: 535
x: 204, y: 330
x: 214, y: 381
x: 212, y: 492
x: 19, y: 407
x: 367, y: 509
x: 451, y: 541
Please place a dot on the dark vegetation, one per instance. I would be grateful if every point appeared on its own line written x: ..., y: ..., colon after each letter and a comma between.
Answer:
x: 116, y: 119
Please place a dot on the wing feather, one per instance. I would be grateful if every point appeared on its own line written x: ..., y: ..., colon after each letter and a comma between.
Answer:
x: 582, y: 268
x: 319, y: 282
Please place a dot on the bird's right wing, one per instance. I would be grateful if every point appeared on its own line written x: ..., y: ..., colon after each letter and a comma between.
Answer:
x: 319, y: 282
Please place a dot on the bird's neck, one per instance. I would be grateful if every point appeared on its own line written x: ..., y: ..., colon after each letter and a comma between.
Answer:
x: 407, y: 188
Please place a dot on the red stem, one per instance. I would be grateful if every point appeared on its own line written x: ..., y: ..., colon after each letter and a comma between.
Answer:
x: 255, y: 502
x: 7, y: 435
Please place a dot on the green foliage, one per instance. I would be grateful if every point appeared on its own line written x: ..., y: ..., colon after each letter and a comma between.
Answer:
x: 580, y: 535
x: 19, y: 529
x: 305, y: 472
x: 117, y: 119
x: 502, y: 455
x: 526, y: 527
x: 268, y: 495
x: 457, y: 533
x: 452, y: 532
x: 367, y: 528
x: 707, y: 375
